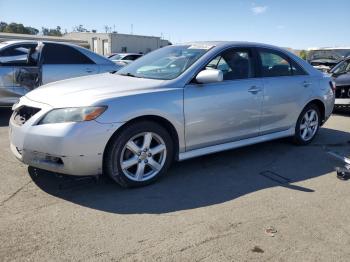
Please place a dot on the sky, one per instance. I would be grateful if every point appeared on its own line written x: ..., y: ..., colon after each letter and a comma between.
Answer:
x: 298, y: 24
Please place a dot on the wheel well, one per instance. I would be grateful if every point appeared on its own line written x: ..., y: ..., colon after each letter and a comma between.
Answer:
x: 321, y: 107
x: 157, y: 119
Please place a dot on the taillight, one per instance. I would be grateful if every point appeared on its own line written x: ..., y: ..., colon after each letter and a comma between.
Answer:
x: 332, y: 85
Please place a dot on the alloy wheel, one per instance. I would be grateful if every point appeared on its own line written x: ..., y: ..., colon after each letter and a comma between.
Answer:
x: 143, y: 156
x: 309, y: 125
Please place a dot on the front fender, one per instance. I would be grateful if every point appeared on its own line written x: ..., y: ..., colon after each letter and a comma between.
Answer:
x: 164, y: 103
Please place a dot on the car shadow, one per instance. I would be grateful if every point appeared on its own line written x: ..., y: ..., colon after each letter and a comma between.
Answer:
x: 5, y: 114
x: 207, y: 180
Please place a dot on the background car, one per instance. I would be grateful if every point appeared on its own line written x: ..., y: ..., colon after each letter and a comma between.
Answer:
x: 25, y: 65
x: 341, y: 76
x: 122, y: 59
x: 132, y: 124
x: 325, y: 59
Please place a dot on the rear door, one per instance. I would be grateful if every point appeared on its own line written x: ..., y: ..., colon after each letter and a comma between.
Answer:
x: 287, y: 87
x: 60, y: 61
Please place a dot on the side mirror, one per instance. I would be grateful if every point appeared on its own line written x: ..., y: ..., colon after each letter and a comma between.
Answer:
x: 209, y: 76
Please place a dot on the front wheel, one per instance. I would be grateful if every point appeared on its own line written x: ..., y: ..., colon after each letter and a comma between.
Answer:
x: 139, y: 154
x: 307, y: 125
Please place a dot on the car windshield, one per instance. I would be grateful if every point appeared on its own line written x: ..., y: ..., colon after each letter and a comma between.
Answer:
x: 342, y: 67
x: 165, y: 63
x: 117, y: 57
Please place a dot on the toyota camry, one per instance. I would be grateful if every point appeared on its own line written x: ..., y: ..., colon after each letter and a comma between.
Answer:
x: 175, y: 103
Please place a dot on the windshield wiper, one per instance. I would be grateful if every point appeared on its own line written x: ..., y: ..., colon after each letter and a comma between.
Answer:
x: 131, y: 75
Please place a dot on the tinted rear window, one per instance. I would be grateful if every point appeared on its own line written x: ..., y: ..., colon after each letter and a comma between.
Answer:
x: 63, y: 54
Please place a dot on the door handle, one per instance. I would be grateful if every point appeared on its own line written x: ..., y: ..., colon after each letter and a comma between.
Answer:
x: 254, y: 89
x: 306, y: 84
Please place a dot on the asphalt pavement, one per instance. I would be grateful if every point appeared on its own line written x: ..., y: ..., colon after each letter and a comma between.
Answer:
x: 268, y: 202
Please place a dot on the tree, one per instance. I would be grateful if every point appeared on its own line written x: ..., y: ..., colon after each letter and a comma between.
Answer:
x: 303, y: 54
x: 51, y: 32
x: 17, y: 28
x: 79, y: 28
x: 107, y: 28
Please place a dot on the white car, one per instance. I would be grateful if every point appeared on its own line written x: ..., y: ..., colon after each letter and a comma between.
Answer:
x: 122, y: 59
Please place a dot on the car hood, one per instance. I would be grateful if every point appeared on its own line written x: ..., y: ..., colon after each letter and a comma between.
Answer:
x: 325, y: 61
x: 89, y: 90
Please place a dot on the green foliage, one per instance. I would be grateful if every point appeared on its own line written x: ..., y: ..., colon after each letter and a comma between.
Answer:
x: 79, y: 28
x: 52, y: 32
x: 17, y: 28
x: 303, y: 54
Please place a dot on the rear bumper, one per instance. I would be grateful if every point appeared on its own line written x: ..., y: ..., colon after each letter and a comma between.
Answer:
x: 66, y: 148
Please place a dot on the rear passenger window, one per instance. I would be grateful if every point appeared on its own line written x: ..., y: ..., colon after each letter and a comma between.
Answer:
x: 63, y: 54
x: 274, y: 65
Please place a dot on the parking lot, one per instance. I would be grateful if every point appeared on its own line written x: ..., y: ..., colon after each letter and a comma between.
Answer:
x: 214, y: 208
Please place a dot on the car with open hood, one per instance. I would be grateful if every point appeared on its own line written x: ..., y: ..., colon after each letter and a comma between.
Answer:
x: 341, y: 76
x: 324, y: 59
x: 175, y: 103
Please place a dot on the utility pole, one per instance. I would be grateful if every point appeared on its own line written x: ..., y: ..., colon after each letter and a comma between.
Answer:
x: 132, y: 29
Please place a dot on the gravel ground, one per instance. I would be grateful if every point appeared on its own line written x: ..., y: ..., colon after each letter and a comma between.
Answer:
x: 213, y: 208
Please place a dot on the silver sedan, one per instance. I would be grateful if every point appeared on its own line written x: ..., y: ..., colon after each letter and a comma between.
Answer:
x: 175, y: 103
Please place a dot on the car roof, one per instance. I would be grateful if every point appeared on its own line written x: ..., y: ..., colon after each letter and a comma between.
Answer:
x: 38, y: 41
x: 230, y: 43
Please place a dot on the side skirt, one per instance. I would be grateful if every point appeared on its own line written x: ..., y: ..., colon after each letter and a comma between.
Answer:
x: 235, y: 144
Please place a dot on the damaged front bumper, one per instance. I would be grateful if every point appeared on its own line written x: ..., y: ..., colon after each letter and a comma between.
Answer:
x: 66, y: 148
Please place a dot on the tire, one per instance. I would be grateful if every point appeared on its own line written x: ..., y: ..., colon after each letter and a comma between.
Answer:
x: 306, y: 128
x: 139, y: 155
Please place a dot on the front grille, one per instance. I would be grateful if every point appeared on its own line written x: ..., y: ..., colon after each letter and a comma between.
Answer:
x: 23, y: 114
x: 342, y: 92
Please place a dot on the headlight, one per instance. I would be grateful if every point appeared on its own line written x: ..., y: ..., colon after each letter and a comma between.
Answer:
x: 72, y: 114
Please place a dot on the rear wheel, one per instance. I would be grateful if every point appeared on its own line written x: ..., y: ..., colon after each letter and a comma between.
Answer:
x: 307, y: 125
x: 139, y: 155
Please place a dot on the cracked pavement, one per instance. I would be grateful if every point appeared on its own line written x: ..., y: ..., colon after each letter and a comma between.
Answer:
x: 213, y: 208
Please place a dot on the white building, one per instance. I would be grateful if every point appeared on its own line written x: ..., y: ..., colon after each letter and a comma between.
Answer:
x: 107, y: 43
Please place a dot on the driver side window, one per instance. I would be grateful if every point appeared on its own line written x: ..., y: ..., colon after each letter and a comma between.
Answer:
x: 234, y: 64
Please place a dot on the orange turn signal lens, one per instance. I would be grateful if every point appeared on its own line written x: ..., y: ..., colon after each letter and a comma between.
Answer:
x: 93, y: 113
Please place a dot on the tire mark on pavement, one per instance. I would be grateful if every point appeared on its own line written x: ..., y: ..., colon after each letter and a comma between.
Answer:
x: 15, y: 193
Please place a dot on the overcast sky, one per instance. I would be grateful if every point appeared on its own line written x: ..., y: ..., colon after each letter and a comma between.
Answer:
x: 296, y: 24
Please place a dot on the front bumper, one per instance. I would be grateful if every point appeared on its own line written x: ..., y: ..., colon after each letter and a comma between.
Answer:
x: 342, y: 102
x: 66, y: 148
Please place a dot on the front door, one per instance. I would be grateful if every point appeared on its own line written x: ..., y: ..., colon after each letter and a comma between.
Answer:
x: 19, y: 71
x: 226, y: 111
